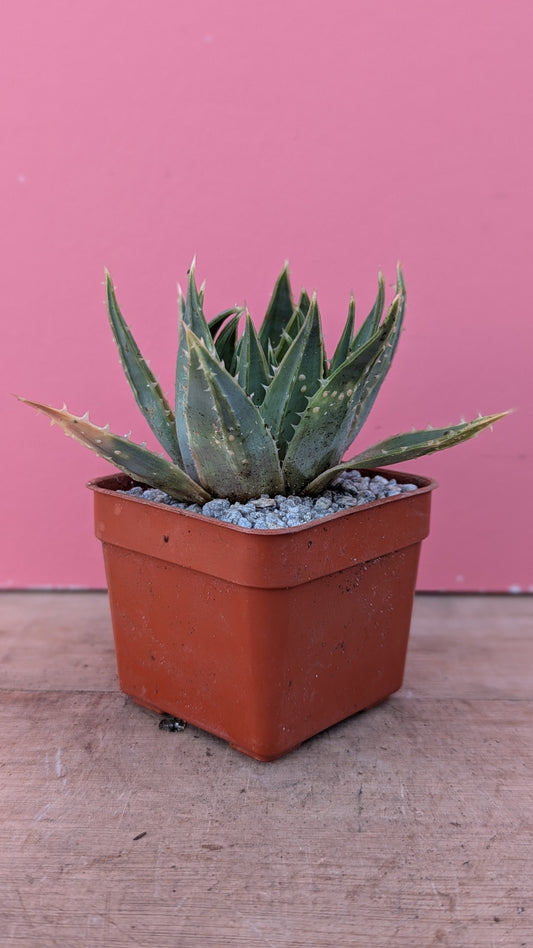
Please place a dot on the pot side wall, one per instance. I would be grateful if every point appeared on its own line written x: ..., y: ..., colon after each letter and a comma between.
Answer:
x: 275, y: 656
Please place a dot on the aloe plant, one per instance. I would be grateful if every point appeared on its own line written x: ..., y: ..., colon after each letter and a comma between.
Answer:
x: 264, y: 412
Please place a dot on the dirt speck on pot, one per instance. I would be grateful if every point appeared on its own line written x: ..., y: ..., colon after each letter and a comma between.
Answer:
x: 172, y: 724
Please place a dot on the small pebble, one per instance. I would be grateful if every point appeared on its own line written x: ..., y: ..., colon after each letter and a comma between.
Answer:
x: 215, y: 508
x: 156, y: 496
x: 350, y: 489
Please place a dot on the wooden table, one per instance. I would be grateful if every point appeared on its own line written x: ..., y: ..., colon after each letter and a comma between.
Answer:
x: 408, y: 825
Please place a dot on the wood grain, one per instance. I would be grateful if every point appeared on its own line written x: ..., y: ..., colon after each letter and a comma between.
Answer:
x: 407, y: 826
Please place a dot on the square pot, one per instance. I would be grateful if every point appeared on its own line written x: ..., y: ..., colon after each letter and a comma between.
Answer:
x: 262, y: 637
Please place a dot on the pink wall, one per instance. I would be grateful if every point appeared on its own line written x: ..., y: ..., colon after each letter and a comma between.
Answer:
x: 342, y: 135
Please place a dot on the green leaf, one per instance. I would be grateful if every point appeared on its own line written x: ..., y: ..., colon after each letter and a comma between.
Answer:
x: 234, y: 454
x: 377, y: 371
x: 296, y: 380
x: 182, y: 390
x: 343, y: 346
x: 373, y: 319
x: 318, y: 442
x: 279, y: 312
x: 304, y: 302
x: 218, y: 321
x: 143, y: 383
x: 226, y: 343
x: 405, y: 447
x: 271, y: 359
x: 134, y: 459
x: 252, y: 368
x: 289, y: 334
x: 192, y: 317
x: 192, y: 310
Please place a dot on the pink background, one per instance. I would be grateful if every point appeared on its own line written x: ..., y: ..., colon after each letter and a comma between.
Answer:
x: 341, y: 135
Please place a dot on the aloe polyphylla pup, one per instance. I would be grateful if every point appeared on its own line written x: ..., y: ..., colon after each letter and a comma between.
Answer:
x: 263, y: 412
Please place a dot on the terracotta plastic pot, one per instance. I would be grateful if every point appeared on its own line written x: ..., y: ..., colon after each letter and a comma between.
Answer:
x: 262, y: 637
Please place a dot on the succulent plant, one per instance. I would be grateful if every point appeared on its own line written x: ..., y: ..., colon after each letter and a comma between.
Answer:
x: 264, y: 412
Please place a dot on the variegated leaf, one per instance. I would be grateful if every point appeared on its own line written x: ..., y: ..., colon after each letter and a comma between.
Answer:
x: 192, y: 310
x: 377, y: 371
x: 296, y: 380
x: 234, y: 454
x: 143, y: 383
x: 182, y: 390
x: 142, y: 465
x: 405, y: 447
x: 318, y: 442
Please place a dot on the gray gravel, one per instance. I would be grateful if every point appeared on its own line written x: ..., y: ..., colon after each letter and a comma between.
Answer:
x: 350, y: 489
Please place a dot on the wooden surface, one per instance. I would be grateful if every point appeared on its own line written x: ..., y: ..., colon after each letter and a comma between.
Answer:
x: 410, y: 825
